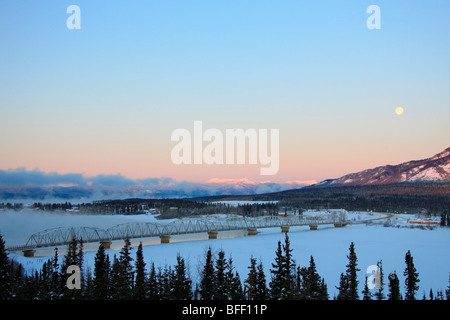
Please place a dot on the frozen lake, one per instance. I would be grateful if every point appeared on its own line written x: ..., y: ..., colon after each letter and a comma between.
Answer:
x: 430, y: 248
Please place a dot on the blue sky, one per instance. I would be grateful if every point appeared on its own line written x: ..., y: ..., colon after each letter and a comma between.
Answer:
x: 104, y: 99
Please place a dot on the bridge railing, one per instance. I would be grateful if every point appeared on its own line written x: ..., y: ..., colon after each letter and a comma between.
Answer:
x: 64, y: 235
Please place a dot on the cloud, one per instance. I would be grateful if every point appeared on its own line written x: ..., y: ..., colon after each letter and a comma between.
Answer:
x: 22, y: 177
x: 38, y: 185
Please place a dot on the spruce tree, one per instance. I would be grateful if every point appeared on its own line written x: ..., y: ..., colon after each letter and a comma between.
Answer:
x: 352, y: 273
x: 122, y: 274
x: 412, y: 277
x: 323, y: 291
x: 55, y: 281
x: 206, y: 289
x: 165, y: 281
x: 289, y: 267
x: 235, y: 291
x: 17, y: 280
x: 250, y: 282
x: 88, y: 293
x: 276, y: 282
x: 343, y: 288
x: 5, y: 277
x: 152, y: 284
x: 282, y: 284
x: 182, y: 284
x: 261, y: 286
x: 221, y: 281
x: 367, y: 295
x: 140, y: 281
x: 114, y: 278
x: 313, y: 287
x: 101, y: 280
x: 394, y: 287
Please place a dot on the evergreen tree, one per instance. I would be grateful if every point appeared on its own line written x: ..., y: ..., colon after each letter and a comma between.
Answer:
x: 45, y: 279
x: 140, y: 281
x: 312, y: 286
x: 343, y: 288
x: 17, y: 280
x: 352, y: 273
x: 221, y: 281
x: 235, y: 291
x: 412, y: 277
x: 114, y: 277
x: 394, y: 287
x: 164, y: 280
x: 261, y: 286
x: 276, y: 283
x: 152, y: 284
x: 367, y: 295
x: 122, y: 274
x: 206, y: 289
x: 30, y: 289
x: 299, y: 288
x: 282, y: 282
x: 55, y: 280
x: 251, y: 281
x: 182, y: 284
x: 5, y: 277
x: 88, y: 293
x: 323, y: 291
x: 101, y: 281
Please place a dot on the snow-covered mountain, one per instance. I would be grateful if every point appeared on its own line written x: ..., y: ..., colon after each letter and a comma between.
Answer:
x: 434, y: 169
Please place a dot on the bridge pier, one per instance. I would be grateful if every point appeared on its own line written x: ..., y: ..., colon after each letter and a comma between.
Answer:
x: 212, y: 234
x: 252, y: 231
x: 312, y: 227
x: 165, y: 239
x: 28, y: 253
x: 285, y: 229
x: 106, y: 244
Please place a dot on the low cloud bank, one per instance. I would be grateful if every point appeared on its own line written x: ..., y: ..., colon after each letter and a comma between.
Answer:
x: 17, y: 184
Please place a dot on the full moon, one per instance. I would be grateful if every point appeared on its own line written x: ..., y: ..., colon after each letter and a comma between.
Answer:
x: 399, y: 110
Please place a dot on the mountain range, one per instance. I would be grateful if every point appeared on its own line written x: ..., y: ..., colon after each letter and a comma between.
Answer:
x: 21, y: 184
x: 433, y: 169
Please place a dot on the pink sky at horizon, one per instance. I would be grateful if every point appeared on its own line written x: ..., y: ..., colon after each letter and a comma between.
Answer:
x: 307, y: 170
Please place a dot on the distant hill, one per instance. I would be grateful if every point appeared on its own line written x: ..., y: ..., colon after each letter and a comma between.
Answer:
x: 434, y: 169
x: 408, y: 186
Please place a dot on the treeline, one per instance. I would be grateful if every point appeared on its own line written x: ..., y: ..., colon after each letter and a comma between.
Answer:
x: 167, y: 208
x: 398, y: 197
x: 125, y: 278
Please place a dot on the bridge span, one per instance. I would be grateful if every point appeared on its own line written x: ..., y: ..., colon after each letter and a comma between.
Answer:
x: 212, y: 225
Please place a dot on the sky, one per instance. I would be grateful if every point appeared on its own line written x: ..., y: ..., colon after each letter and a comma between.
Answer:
x: 104, y: 99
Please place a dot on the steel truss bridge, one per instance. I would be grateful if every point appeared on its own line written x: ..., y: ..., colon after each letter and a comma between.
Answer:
x: 64, y: 235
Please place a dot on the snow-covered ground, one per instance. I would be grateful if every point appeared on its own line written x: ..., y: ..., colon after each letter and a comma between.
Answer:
x: 430, y: 247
